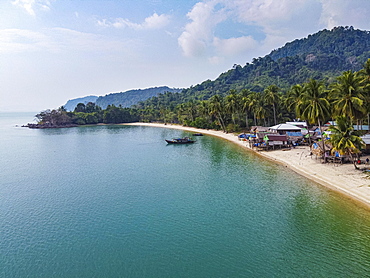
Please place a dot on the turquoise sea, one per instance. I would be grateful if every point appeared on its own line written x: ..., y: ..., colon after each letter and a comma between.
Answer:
x: 117, y: 201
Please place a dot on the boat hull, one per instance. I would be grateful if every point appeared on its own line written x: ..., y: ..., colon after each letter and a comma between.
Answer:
x: 179, y: 142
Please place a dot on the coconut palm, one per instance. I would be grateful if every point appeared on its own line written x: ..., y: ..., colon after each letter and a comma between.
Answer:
x: 217, y: 110
x: 259, y: 108
x: 293, y: 101
x: 365, y: 74
x: 203, y: 109
x: 245, y: 104
x: 314, y: 106
x: 271, y: 97
x: 344, y: 140
x: 347, y: 96
x: 232, y: 104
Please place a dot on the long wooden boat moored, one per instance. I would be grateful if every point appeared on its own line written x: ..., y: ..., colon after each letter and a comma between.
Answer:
x: 185, y: 140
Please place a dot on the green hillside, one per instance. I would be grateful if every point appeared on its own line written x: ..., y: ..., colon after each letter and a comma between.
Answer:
x: 72, y: 103
x: 129, y: 98
x: 315, y: 79
x: 321, y: 56
x: 331, y: 65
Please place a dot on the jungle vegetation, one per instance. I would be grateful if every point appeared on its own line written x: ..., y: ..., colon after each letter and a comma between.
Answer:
x: 315, y: 79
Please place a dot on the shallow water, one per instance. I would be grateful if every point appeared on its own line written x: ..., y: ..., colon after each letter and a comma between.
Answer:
x: 116, y: 201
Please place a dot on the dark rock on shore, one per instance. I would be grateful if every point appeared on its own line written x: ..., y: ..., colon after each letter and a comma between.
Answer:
x: 42, y: 126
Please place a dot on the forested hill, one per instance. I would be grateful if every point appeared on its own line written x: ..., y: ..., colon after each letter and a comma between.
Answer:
x: 321, y: 56
x: 345, y: 43
x: 128, y: 98
x: 72, y: 103
x: 125, y: 99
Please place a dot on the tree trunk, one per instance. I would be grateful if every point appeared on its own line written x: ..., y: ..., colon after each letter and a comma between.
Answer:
x: 353, y: 161
x: 246, y: 121
x: 323, y: 140
x: 222, y: 123
x: 309, y: 136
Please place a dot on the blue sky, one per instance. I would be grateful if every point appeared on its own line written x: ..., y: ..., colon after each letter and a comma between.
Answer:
x: 55, y: 50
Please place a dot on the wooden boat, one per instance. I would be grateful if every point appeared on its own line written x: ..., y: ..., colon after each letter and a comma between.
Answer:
x: 198, y: 134
x: 185, y: 140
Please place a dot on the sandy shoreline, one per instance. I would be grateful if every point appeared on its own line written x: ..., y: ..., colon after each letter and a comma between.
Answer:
x: 341, y: 178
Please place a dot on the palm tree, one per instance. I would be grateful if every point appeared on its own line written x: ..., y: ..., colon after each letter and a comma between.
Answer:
x: 271, y: 97
x: 314, y: 106
x: 181, y: 115
x: 216, y: 109
x: 203, y: 109
x: 191, y: 109
x: 343, y: 139
x: 293, y: 101
x: 259, y: 108
x: 348, y: 97
x: 365, y: 74
x: 245, y: 104
x: 232, y: 104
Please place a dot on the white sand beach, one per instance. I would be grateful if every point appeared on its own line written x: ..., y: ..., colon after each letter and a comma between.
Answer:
x: 343, y: 178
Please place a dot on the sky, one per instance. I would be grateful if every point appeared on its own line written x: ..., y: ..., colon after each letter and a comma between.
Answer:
x: 55, y: 50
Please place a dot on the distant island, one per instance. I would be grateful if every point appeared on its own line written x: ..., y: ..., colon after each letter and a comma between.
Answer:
x: 123, y: 99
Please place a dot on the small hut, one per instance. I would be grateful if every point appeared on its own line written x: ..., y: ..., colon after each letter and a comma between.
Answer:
x: 317, y: 148
x: 366, y: 139
x: 255, y: 129
x: 284, y: 128
x: 276, y: 140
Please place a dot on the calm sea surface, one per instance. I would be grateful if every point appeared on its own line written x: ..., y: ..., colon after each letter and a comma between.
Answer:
x: 116, y: 201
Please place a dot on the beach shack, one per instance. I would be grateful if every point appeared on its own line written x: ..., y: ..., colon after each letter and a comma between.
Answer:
x: 256, y: 129
x: 318, y: 148
x: 275, y: 140
x: 256, y: 141
x: 298, y: 124
x: 366, y: 139
x: 284, y: 128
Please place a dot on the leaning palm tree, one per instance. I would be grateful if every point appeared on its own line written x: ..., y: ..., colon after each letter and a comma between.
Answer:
x: 344, y: 140
x: 216, y: 109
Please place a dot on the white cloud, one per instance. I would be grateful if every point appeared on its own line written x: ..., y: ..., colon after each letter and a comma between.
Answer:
x: 235, y: 46
x: 276, y: 21
x: 154, y: 21
x: 198, y: 34
x: 215, y: 60
x: 17, y: 40
x: 55, y: 40
x: 31, y: 5
x: 345, y: 13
